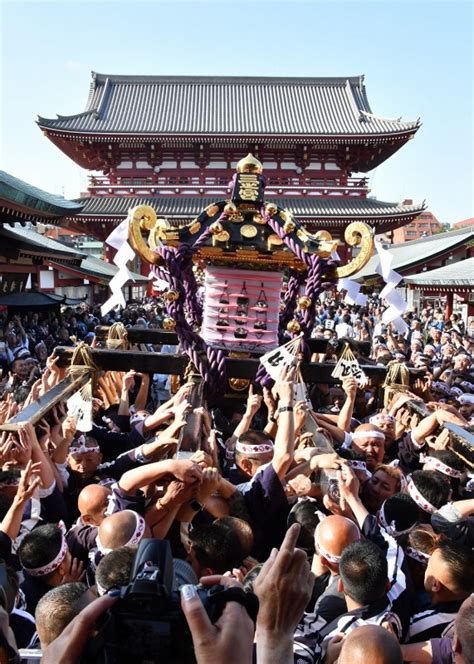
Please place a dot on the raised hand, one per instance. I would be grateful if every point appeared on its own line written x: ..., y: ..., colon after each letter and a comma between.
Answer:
x: 29, y: 480
x: 254, y: 402
x: 76, y: 572
x: 186, y: 470
x: 283, y: 588
x: 229, y: 639
x: 129, y: 381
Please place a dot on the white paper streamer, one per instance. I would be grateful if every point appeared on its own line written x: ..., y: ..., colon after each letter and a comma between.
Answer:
x: 353, y: 294
x: 118, y: 239
x: 397, y: 305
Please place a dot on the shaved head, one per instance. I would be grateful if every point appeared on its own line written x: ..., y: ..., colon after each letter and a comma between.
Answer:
x: 370, y: 643
x: 333, y: 535
x: 117, y: 529
x: 92, y: 503
x: 369, y: 441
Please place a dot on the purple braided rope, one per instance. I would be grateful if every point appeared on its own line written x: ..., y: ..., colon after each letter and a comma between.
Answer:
x: 286, y: 237
x: 209, y: 362
x: 313, y: 289
x: 294, y: 284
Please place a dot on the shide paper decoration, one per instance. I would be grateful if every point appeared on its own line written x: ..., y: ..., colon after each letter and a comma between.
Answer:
x: 397, y: 305
x: 118, y: 239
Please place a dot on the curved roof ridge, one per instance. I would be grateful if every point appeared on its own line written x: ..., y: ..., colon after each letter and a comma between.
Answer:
x: 385, y: 119
x: 181, y: 78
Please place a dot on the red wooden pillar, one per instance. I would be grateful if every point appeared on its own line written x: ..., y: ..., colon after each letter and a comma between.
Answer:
x: 449, y: 305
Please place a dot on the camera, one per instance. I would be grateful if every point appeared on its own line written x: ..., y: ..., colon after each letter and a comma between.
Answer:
x: 146, y: 625
x: 329, y: 485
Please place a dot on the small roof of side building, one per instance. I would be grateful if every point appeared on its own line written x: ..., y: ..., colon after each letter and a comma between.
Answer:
x: 410, y: 254
x: 20, y: 202
x: 96, y: 270
x: 30, y: 243
x: 459, y: 274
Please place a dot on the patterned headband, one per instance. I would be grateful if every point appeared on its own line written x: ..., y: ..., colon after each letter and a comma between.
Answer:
x: 418, y: 555
x: 441, y: 387
x: 381, y: 417
x: 362, y: 466
x: 358, y: 435
x: 84, y: 449
x: 436, y: 464
x: 134, y: 539
x: 321, y: 551
x: 262, y: 448
x: 54, y: 564
x: 418, y: 498
x: 390, y: 527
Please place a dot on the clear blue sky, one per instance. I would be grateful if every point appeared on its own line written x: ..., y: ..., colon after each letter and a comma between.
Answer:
x: 417, y: 57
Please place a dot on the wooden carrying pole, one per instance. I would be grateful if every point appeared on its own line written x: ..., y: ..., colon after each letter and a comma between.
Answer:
x: 154, y: 335
x: 146, y: 362
x: 39, y: 408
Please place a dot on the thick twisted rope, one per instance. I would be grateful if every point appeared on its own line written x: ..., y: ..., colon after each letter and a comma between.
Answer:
x: 179, y: 274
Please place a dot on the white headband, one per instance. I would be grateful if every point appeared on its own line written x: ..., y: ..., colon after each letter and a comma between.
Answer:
x: 416, y: 554
x: 54, y: 564
x: 436, y: 464
x: 321, y: 551
x: 418, y: 498
x: 262, y: 448
x: 381, y: 417
x: 358, y: 435
x: 390, y: 527
x: 83, y: 449
x: 134, y: 539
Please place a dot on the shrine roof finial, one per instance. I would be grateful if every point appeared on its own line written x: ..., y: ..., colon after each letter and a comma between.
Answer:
x: 250, y: 164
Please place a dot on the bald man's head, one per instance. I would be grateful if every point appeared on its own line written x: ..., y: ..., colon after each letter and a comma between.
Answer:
x: 124, y: 528
x: 370, y: 643
x: 369, y: 441
x: 332, y: 536
x: 92, y: 502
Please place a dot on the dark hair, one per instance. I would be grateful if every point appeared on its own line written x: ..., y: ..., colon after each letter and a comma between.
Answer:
x: 250, y: 578
x: 350, y: 454
x: 449, y: 459
x: 254, y: 438
x: 21, y: 394
x: 216, y: 547
x: 114, y: 569
x: 40, y: 546
x: 401, y: 509
x: 460, y: 560
x: 364, y: 572
x: 432, y: 487
x: 304, y: 513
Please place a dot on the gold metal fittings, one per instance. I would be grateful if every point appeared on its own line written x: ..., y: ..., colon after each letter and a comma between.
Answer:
x: 357, y: 234
x: 143, y: 217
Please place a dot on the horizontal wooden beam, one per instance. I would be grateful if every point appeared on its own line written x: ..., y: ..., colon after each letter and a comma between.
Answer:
x: 145, y: 362
x: 154, y: 335
x: 38, y: 409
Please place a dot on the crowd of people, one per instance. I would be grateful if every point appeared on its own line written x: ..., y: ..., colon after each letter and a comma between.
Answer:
x: 350, y: 516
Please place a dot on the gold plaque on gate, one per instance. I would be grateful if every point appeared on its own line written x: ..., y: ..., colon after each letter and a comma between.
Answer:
x: 248, y: 231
